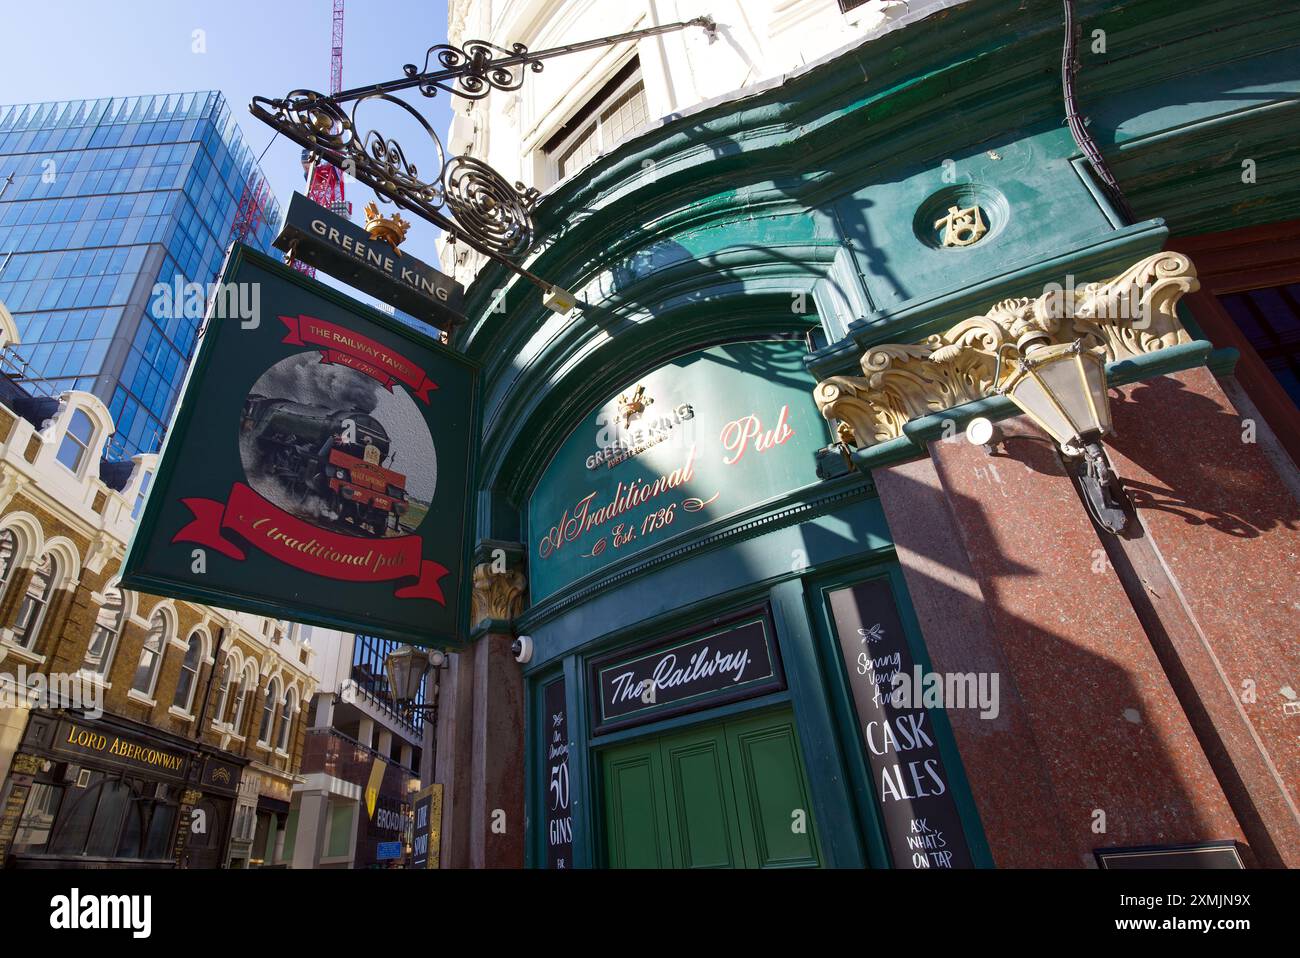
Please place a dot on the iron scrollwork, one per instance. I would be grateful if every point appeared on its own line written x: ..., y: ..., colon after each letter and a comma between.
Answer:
x: 486, y: 211
x: 478, y: 69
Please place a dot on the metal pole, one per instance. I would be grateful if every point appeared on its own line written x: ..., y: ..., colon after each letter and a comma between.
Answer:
x: 476, y: 65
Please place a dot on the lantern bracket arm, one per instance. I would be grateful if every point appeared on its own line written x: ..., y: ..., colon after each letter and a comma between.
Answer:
x: 476, y: 67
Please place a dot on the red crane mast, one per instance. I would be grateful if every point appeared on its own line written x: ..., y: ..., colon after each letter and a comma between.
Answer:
x: 325, y: 181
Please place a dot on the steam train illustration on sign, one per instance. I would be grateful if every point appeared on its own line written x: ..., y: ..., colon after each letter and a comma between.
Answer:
x: 341, y: 457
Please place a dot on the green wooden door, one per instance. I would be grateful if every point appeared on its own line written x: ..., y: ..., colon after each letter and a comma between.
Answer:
x: 726, y: 795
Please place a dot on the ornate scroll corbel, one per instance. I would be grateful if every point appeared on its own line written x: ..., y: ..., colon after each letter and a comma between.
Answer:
x: 1133, y: 313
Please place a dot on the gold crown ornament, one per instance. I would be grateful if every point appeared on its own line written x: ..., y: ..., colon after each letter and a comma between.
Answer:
x: 390, y: 229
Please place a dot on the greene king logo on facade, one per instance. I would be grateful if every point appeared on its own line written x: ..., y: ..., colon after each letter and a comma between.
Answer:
x: 620, y: 440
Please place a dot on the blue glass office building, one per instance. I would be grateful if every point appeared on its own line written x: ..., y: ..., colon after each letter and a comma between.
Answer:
x: 107, y: 199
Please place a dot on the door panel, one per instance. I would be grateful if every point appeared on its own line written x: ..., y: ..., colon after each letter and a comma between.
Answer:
x: 778, y: 829
x: 727, y: 795
x: 701, y: 802
x: 634, y: 810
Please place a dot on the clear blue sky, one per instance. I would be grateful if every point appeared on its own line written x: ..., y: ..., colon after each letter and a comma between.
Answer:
x: 79, y: 49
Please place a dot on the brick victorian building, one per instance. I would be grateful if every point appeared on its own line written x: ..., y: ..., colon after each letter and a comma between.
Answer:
x: 134, y: 731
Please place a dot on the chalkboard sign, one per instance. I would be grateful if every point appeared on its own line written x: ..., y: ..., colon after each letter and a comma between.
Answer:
x: 922, y: 827
x: 427, y: 827
x: 689, y: 673
x: 559, y: 818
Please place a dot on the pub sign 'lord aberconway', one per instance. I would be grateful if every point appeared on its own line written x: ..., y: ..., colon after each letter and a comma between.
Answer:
x: 318, y: 466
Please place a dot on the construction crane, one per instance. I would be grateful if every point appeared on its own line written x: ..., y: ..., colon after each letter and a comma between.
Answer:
x: 252, y: 207
x: 325, y: 181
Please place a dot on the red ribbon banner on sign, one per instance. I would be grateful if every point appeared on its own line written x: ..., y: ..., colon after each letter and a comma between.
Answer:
x: 343, y: 347
x: 296, y: 543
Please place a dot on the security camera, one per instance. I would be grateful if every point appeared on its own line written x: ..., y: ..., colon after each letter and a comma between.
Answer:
x: 982, y: 432
x: 522, y: 648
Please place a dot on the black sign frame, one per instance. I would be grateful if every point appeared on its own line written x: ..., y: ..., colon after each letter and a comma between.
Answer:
x: 774, y: 681
x: 1201, y: 855
x: 428, y: 800
x: 353, y: 262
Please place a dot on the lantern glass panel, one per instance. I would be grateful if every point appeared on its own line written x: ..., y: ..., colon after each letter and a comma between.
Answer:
x: 1065, y: 393
x: 1062, y: 378
x: 1029, y: 395
x: 1094, y: 369
x: 405, y: 666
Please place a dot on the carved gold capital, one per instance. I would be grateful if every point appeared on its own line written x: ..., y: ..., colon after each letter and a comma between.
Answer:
x: 1132, y: 314
x: 497, y: 594
x: 24, y: 764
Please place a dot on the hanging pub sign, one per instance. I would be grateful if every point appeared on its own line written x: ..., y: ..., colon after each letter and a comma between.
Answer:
x: 922, y: 825
x: 703, y: 437
x: 686, y: 673
x: 317, y: 468
x: 321, y: 238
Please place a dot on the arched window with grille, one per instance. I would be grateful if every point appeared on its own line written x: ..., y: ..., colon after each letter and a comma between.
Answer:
x: 146, y: 671
x: 108, y: 629
x: 9, y: 558
x: 189, y: 677
x: 286, y: 720
x: 247, y: 682
x: 268, y: 713
x: 223, y: 692
x: 36, y: 601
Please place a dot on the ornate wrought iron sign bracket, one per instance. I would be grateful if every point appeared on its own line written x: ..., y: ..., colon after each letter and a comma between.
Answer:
x: 464, y: 196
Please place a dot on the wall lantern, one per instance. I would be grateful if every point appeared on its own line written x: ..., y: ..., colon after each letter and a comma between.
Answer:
x: 1062, y: 387
x: 405, y: 667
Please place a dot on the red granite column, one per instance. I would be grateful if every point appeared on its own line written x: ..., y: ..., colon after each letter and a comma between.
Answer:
x: 480, y: 732
x: 497, y: 765
x: 1222, y: 530
x: 451, y: 769
x: 1021, y: 823
x: 1092, y: 725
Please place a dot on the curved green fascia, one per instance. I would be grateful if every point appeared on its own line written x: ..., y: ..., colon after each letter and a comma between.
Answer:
x: 533, y: 422
x: 760, y: 519
x: 703, y: 227
x: 913, y: 321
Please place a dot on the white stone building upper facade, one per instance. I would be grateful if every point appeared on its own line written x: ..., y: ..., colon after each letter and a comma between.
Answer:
x: 585, y: 104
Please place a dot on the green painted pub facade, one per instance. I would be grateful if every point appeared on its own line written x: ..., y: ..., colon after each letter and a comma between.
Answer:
x: 731, y: 492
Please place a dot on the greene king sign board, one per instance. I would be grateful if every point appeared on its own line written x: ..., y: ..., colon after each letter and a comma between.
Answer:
x: 703, y: 437
x: 317, y: 468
